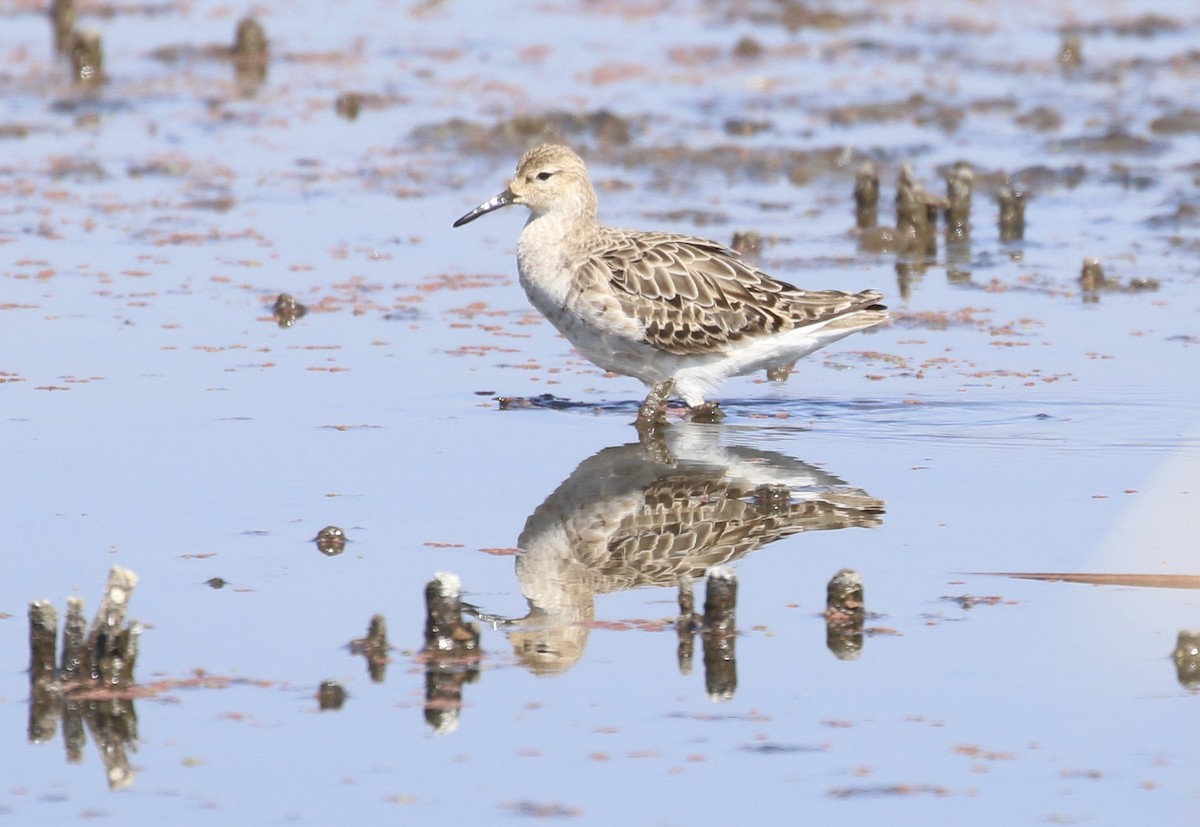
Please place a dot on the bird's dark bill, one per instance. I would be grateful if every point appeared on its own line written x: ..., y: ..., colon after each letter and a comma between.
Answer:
x: 502, y: 200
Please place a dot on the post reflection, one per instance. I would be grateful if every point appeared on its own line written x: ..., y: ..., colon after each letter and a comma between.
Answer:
x: 660, y: 512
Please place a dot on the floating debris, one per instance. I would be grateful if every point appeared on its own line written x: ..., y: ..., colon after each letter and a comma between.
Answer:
x: 538, y: 809
x: 542, y: 400
x: 889, y: 790
x: 1140, y: 581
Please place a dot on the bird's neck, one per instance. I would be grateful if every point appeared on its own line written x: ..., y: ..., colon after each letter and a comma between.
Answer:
x: 560, y: 231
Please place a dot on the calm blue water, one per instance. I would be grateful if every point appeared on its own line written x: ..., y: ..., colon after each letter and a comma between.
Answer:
x: 154, y: 417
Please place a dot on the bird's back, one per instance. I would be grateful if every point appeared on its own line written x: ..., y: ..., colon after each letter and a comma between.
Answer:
x: 692, y: 295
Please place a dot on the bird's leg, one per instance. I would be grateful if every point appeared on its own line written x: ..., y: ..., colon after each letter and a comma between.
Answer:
x: 653, y: 412
x: 653, y: 439
x: 709, y: 412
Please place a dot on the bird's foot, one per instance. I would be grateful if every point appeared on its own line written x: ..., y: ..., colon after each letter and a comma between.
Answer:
x: 496, y: 621
x: 709, y: 412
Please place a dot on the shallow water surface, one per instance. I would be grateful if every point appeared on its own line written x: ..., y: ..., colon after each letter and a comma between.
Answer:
x: 1008, y: 420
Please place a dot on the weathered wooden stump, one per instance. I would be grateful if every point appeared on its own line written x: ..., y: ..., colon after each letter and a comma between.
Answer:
x: 452, y: 652
x: 91, y: 687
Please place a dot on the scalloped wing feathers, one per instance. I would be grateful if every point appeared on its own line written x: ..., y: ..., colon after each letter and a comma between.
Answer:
x: 691, y: 295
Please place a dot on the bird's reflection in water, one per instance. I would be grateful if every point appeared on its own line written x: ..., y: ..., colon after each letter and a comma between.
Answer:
x: 650, y: 513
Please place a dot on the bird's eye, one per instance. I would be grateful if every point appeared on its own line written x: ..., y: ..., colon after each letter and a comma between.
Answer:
x: 544, y: 176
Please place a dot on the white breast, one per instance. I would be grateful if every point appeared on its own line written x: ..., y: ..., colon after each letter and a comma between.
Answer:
x: 583, y: 309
